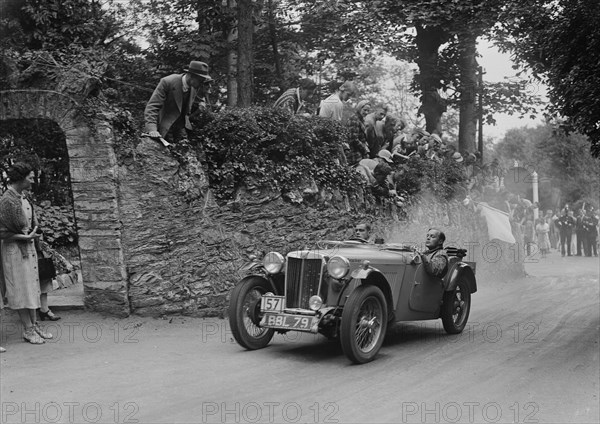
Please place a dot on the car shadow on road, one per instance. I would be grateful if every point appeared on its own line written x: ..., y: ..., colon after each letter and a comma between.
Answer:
x: 406, y: 333
x: 303, y: 347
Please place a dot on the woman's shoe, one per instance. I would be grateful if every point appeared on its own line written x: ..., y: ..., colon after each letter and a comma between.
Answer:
x: 42, y: 333
x: 32, y: 337
x: 48, y: 315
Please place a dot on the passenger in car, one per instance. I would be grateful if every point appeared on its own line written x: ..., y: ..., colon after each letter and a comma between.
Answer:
x: 435, y: 259
x: 362, y: 231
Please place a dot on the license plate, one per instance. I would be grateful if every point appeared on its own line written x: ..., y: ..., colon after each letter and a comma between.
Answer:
x: 293, y: 322
x: 272, y: 303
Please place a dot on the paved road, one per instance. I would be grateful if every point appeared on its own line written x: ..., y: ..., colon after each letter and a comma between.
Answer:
x: 530, y: 354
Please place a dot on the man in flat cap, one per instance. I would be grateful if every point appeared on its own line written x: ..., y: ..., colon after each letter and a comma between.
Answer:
x: 171, y: 103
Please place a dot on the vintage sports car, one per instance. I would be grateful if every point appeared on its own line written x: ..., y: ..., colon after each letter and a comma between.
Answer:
x: 349, y: 290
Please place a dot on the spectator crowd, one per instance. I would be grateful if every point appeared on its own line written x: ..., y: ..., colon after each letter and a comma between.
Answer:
x: 380, y: 146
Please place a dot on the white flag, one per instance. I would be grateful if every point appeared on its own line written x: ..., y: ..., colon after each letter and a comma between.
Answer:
x: 498, y: 223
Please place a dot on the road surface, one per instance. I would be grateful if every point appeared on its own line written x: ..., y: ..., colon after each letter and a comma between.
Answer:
x: 530, y: 354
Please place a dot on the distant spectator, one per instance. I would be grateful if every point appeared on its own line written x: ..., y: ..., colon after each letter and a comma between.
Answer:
x: 565, y: 225
x: 293, y: 100
x: 333, y: 106
x: 374, y: 140
x: 579, y: 231
x: 392, y: 129
x: 528, y: 234
x: 358, y: 147
x: 542, y: 229
x: 367, y: 166
x: 168, y: 110
x: 590, y: 225
x: 457, y: 157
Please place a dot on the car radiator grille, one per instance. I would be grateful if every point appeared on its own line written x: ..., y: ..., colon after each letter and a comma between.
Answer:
x: 302, y: 281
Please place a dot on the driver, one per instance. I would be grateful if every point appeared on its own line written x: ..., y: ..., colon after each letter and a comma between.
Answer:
x: 362, y: 231
x: 435, y: 259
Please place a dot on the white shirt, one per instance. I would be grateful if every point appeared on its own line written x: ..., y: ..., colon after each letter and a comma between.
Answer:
x: 332, y: 107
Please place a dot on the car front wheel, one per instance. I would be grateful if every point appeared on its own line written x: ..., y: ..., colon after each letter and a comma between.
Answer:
x: 456, y: 307
x: 364, y: 322
x: 244, y: 308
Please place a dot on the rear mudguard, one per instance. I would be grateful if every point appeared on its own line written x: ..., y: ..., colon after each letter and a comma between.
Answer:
x: 460, y: 270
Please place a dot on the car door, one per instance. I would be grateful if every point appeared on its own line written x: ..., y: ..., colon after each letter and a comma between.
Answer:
x: 426, y: 292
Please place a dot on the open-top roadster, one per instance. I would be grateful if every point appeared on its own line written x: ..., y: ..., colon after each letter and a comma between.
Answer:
x: 349, y: 290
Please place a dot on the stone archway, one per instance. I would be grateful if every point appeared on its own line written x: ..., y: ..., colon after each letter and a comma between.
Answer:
x: 94, y: 174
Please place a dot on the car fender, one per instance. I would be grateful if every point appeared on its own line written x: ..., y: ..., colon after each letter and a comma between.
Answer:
x: 372, y: 276
x: 264, y: 277
x: 460, y: 269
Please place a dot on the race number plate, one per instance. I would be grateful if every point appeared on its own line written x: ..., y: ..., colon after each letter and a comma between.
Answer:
x: 292, y: 322
x: 272, y: 303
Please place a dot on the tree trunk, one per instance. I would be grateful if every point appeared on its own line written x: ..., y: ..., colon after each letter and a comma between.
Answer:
x: 467, y: 127
x: 429, y: 40
x: 232, y: 60
x: 275, y: 44
x: 245, y: 50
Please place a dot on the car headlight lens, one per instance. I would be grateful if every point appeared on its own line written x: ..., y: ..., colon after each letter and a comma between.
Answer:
x: 315, y: 303
x: 338, y: 267
x: 273, y: 262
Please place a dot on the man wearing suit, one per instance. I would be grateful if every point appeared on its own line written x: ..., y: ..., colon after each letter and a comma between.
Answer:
x: 566, y: 223
x: 171, y: 103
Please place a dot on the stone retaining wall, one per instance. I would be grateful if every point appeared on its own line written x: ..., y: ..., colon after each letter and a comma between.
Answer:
x: 153, y: 242
x: 184, y: 258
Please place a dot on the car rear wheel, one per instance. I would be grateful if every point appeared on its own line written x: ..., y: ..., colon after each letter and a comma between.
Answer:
x: 456, y: 307
x: 244, y: 308
x: 364, y: 322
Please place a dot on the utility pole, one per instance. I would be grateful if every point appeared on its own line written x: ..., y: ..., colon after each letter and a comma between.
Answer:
x: 480, y: 129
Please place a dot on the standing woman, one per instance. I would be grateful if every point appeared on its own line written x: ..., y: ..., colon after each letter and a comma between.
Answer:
x: 542, y: 230
x: 18, y: 232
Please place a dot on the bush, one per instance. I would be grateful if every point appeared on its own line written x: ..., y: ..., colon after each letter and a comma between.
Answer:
x: 57, y: 224
x: 267, y: 148
x: 444, y: 180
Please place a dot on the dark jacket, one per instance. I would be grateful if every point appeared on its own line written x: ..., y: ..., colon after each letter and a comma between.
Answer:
x: 435, y: 262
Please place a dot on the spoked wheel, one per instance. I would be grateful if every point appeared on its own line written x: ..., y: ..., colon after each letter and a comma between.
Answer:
x: 244, y: 309
x: 456, y: 308
x: 364, y: 322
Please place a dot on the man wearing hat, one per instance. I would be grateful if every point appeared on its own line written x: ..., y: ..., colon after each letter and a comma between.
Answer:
x: 367, y: 167
x: 171, y: 103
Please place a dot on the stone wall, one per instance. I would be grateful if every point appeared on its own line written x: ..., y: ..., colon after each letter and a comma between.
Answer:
x: 153, y: 242
x: 93, y: 170
x: 183, y: 257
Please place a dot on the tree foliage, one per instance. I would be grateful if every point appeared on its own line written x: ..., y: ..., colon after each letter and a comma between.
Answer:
x: 561, y: 159
x: 559, y: 41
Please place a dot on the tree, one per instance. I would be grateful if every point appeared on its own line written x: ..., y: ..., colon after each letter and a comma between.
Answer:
x: 560, y: 42
x: 559, y: 158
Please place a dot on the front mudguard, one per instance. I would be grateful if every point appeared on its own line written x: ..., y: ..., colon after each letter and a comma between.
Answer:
x: 256, y: 270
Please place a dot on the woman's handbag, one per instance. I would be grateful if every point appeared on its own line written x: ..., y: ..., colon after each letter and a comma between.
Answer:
x: 46, y: 268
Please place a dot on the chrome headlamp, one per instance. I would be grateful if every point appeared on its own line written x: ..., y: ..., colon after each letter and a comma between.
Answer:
x: 338, y: 267
x: 315, y: 303
x: 273, y: 262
